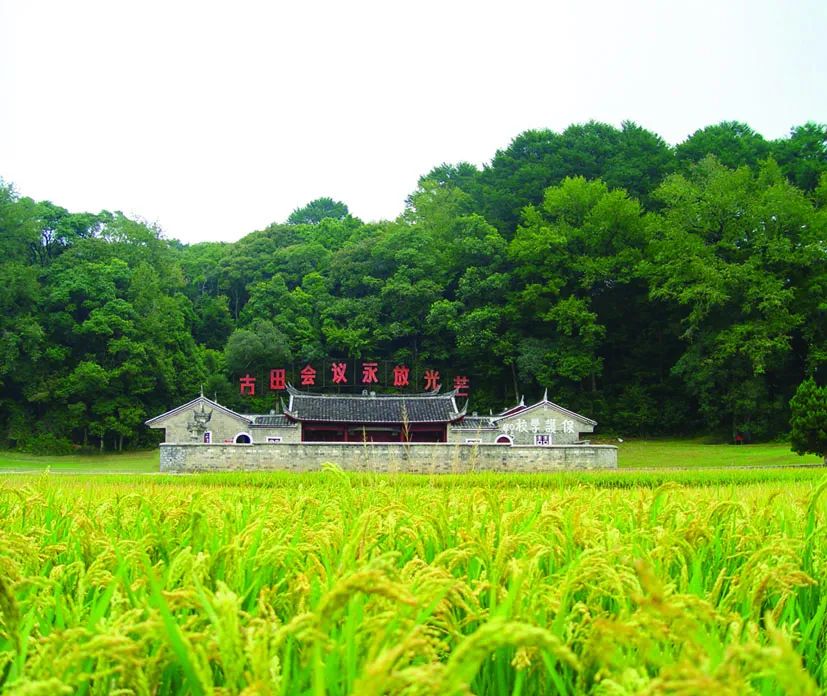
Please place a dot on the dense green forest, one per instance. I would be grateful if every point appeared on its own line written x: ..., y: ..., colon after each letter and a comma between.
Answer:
x: 657, y: 289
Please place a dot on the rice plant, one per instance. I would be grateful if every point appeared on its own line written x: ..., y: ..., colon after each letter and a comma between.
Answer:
x: 336, y: 584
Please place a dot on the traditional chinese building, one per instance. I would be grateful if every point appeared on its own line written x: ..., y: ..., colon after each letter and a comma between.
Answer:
x: 418, y: 433
x: 373, y: 418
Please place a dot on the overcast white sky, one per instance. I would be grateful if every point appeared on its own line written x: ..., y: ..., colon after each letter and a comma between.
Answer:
x: 216, y: 119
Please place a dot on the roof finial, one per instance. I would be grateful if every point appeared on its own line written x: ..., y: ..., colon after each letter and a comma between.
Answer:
x: 202, y: 390
x: 545, y: 395
x: 522, y: 400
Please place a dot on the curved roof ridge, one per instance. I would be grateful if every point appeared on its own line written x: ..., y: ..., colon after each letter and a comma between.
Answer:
x: 436, y: 393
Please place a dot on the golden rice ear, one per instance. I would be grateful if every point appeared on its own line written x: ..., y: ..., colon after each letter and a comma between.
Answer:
x: 412, y: 585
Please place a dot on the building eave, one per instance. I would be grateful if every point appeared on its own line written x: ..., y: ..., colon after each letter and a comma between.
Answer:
x: 152, y: 422
x: 435, y: 393
x: 550, y: 404
x: 344, y: 421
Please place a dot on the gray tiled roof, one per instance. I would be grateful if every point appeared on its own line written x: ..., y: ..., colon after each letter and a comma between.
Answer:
x: 475, y: 423
x: 522, y: 412
x: 276, y: 421
x: 379, y: 408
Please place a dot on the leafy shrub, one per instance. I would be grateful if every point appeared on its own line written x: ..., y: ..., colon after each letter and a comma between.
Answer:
x: 47, y: 443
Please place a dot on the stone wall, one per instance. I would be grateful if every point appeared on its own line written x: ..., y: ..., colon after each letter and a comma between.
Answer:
x: 385, y: 457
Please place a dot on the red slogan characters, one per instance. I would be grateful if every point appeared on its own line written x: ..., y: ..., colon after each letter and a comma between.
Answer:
x: 278, y: 380
x: 308, y: 376
x: 431, y: 380
x: 461, y: 384
x: 339, y: 370
x: 369, y: 373
x: 398, y: 376
x: 248, y: 385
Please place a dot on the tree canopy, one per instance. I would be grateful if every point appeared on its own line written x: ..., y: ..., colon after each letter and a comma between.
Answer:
x: 659, y: 289
x: 316, y: 211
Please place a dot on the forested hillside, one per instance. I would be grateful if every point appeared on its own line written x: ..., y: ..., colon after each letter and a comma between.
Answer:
x: 657, y: 289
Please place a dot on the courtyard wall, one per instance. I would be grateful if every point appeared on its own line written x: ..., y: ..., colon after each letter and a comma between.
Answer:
x: 424, y: 458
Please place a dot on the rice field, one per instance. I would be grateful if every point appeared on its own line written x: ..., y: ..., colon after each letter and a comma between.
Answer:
x: 611, y: 583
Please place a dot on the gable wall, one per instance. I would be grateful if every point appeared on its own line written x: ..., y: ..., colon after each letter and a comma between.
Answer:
x: 222, y: 425
x: 545, y: 419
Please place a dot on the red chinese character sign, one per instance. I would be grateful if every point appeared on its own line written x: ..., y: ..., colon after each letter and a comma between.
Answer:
x: 461, y: 384
x: 307, y: 376
x: 400, y: 376
x: 431, y: 380
x: 344, y: 375
x: 248, y: 385
x: 278, y: 380
x: 339, y: 370
x: 369, y: 373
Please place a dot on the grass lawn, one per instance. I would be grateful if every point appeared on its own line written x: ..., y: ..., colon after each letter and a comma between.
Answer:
x: 634, y: 454
x: 129, y: 462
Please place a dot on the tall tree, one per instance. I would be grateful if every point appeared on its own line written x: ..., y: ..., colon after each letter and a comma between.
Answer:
x: 732, y: 143
x: 631, y: 158
x: 256, y: 349
x: 803, y: 155
x: 316, y: 211
x: 735, y: 250
x: 808, y: 420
